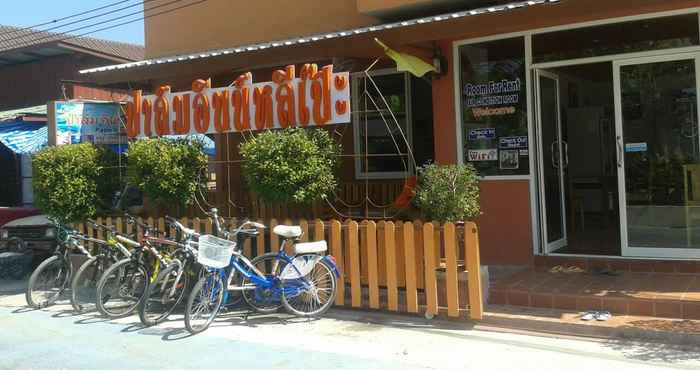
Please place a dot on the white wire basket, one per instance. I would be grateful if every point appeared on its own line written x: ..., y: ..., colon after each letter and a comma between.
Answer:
x: 215, y: 252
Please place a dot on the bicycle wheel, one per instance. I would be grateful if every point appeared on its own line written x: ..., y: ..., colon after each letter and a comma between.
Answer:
x: 163, y: 295
x: 311, y: 295
x: 261, y: 299
x: 84, y: 285
x: 48, y: 281
x: 121, y: 288
x: 204, y: 302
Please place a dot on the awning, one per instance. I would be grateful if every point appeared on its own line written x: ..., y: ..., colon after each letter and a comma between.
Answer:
x: 373, y: 30
x: 23, y: 137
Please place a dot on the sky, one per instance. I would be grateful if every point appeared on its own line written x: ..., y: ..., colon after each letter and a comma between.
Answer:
x: 25, y: 13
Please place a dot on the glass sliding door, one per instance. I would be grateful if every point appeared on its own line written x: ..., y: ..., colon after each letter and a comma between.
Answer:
x: 552, y: 161
x: 658, y: 156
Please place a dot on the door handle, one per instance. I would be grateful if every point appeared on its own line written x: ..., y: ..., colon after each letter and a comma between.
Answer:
x: 565, y: 161
x: 620, y: 153
x: 551, y: 149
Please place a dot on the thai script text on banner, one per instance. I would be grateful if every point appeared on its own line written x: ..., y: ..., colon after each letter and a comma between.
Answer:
x: 316, y: 97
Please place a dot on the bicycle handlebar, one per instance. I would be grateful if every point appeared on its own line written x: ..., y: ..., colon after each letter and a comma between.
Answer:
x: 148, y: 228
x: 110, y: 229
x: 173, y: 222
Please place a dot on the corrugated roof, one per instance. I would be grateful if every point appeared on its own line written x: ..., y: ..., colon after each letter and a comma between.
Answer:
x: 324, y: 36
x: 14, y: 113
x: 23, y: 137
x: 14, y: 38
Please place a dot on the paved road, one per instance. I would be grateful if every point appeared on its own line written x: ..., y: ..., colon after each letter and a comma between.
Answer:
x: 57, y: 339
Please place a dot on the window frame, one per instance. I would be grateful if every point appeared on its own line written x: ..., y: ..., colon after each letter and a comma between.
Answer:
x: 356, y: 121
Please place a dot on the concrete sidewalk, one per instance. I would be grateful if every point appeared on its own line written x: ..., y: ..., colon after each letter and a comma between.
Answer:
x: 55, y: 338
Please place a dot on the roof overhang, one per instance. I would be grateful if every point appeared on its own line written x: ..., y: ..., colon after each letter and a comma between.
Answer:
x: 34, y: 53
x: 356, y: 42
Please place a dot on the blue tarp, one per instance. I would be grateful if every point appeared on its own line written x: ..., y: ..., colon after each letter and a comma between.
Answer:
x: 209, y: 145
x: 23, y: 137
x: 29, y: 137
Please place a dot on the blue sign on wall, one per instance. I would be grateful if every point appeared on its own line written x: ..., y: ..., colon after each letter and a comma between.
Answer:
x: 512, y: 142
x: 482, y: 133
x: 98, y: 123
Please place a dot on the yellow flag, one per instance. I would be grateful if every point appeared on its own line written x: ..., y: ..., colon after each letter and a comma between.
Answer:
x: 407, y: 62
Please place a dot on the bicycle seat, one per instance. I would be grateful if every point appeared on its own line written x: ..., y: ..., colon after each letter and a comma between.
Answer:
x: 311, y: 247
x: 287, y: 231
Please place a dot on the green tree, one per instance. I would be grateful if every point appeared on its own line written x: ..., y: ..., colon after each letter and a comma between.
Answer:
x: 292, y: 165
x: 169, y: 172
x: 448, y: 193
x: 65, y: 181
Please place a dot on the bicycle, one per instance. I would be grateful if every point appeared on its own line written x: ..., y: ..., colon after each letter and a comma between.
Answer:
x: 84, y: 284
x: 51, y: 278
x: 305, y: 283
x: 122, y: 287
x: 168, y: 289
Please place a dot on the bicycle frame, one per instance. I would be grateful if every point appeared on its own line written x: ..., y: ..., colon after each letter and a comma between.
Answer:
x: 241, y: 264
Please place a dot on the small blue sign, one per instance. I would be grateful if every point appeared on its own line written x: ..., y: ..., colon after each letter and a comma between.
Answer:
x: 635, y: 147
x: 512, y: 142
x: 482, y: 134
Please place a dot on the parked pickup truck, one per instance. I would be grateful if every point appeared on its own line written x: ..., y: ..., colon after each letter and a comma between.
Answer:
x: 34, y: 233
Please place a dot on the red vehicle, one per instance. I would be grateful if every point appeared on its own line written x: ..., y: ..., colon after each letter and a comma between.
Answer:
x: 8, y: 214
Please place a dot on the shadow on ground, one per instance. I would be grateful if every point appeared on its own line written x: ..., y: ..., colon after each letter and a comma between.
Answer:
x: 654, y: 351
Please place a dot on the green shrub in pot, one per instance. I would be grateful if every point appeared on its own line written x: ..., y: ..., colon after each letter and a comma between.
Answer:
x: 448, y: 193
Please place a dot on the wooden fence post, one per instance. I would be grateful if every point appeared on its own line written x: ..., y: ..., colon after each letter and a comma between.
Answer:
x: 99, y: 231
x: 120, y: 225
x: 371, y: 263
x: 260, y: 247
x: 430, y: 278
x: 274, y: 239
x: 391, y: 278
x: 337, y: 253
x: 319, y: 230
x: 451, y: 266
x: 410, y: 256
x: 473, y: 262
x: 161, y: 226
x: 354, y: 250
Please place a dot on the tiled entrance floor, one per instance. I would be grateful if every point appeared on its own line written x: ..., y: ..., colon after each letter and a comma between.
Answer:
x: 631, y: 293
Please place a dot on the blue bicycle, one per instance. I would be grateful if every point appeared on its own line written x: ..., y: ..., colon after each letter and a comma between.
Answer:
x: 304, y: 283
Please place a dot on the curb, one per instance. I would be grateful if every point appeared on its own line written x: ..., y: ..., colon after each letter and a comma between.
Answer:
x: 585, y: 330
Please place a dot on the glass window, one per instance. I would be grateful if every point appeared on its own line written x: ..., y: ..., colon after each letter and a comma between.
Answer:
x: 380, y: 143
x: 618, y: 38
x: 494, y: 107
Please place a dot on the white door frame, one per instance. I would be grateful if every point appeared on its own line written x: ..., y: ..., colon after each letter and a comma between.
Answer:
x: 628, y: 251
x: 550, y: 247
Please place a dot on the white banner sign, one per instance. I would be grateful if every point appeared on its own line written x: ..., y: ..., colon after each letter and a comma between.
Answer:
x: 317, y: 97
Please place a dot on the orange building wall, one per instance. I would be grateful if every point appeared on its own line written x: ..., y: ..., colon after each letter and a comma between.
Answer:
x: 227, y: 23
x: 505, y: 228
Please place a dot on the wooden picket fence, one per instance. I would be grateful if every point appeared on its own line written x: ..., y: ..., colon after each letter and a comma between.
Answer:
x: 412, y: 267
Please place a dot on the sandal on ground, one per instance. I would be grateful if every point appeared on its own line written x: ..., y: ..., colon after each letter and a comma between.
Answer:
x: 603, y: 316
x: 589, y: 315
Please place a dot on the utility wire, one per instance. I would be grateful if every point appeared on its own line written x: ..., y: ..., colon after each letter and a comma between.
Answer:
x: 134, y: 20
x: 53, y: 36
x: 77, y: 21
x: 28, y: 28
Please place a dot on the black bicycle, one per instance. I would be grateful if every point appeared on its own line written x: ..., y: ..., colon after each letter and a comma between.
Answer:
x: 51, y: 277
x: 122, y: 287
x: 110, y: 251
x: 167, y: 290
